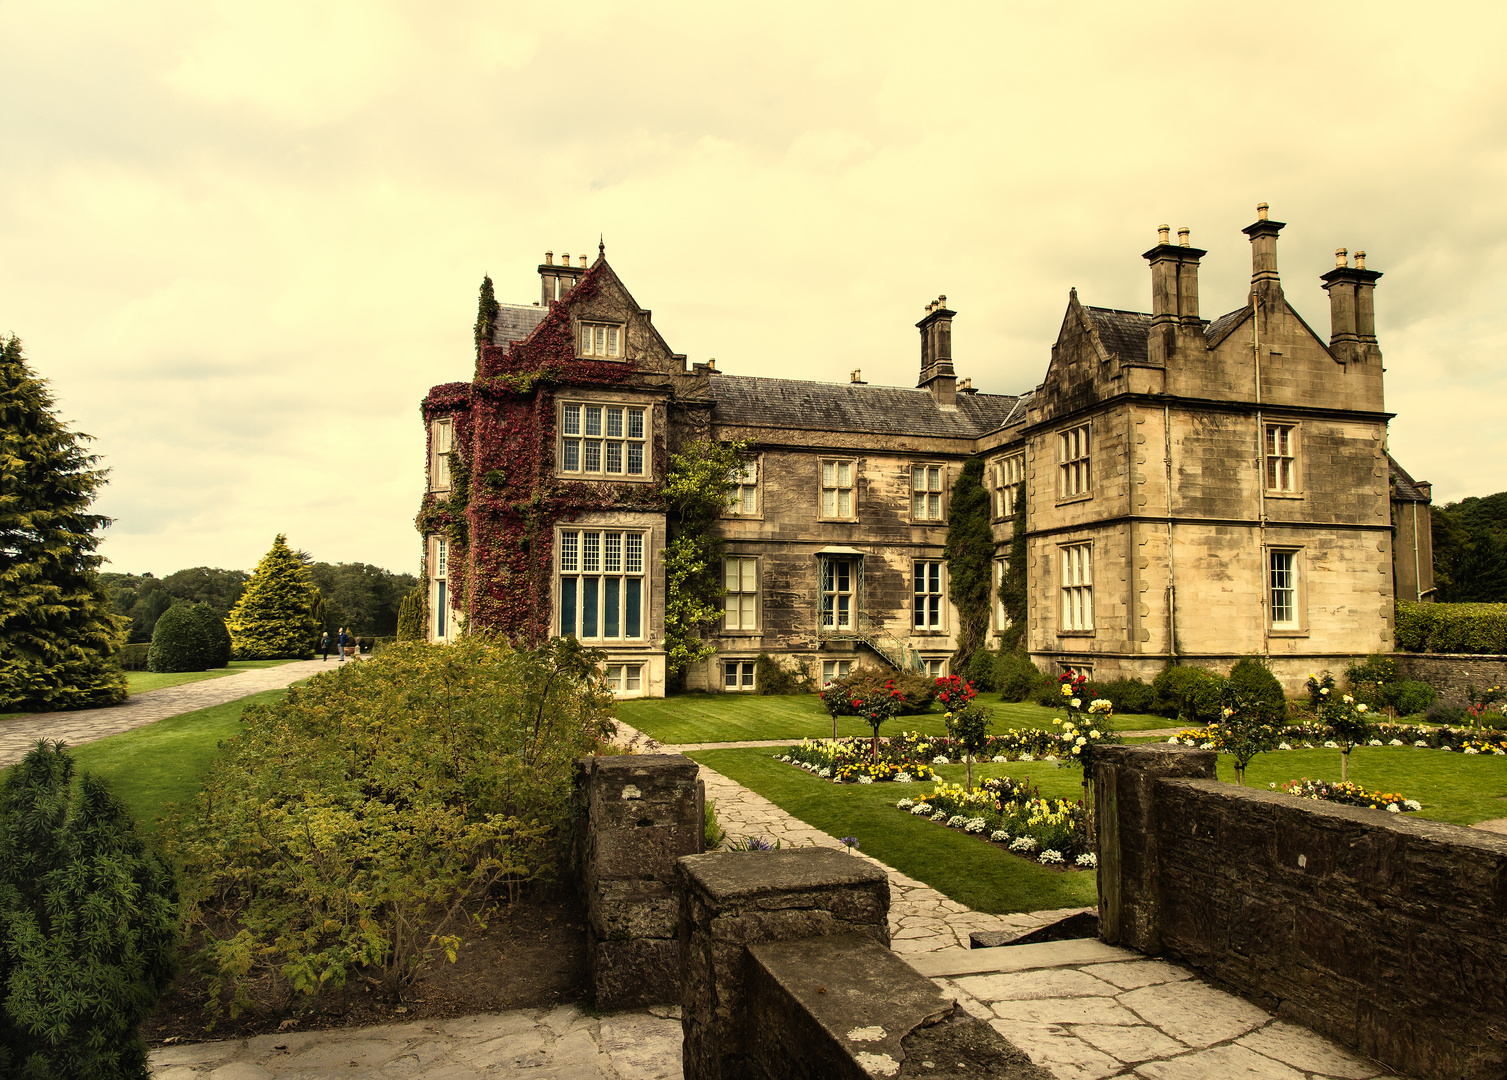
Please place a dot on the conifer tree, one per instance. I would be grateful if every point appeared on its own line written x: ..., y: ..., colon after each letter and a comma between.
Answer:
x: 273, y: 619
x: 487, y: 310
x: 57, y: 633
x: 413, y: 617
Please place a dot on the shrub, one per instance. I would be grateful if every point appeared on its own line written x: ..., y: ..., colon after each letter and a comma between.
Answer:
x: 215, y: 635
x: 134, y: 657
x: 1257, y: 690
x: 89, y: 921
x: 1188, y: 693
x: 1451, y: 628
x: 413, y: 617
x: 1017, y: 678
x: 1127, y: 695
x: 864, y: 683
x: 980, y: 670
x: 772, y: 677
x: 1413, y: 697
x: 1442, y: 712
x: 180, y: 642
x: 358, y: 825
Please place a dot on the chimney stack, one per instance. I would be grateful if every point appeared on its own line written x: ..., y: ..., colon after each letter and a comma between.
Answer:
x: 557, y: 281
x: 1266, y: 285
x: 936, y: 352
x: 1174, y: 292
x: 1352, y: 308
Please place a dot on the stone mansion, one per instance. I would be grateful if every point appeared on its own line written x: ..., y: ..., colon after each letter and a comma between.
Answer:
x: 1196, y: 490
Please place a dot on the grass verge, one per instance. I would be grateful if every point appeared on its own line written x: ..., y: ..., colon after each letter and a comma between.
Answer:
x: 162, y: 762
x: 139, y: 682
x: 965, y: 868
x: 714, y: 718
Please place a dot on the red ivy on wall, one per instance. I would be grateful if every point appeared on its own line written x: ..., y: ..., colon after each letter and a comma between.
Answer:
x: 504, y: 502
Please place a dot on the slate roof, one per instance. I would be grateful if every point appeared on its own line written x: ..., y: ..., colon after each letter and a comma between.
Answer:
x: 1123, y: 333
x: 1404, y: 487
x: 516, y: 322
x: 879, y: 410
x: 1224, y: 324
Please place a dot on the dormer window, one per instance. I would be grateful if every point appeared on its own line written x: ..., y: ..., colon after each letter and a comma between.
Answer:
x: 601, y: 341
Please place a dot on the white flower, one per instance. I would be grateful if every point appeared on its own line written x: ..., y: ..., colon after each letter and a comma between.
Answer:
x: 1050, y: 858
x: 1050, y: 757
x: 997, y: 758
x: 1331, y: 745
x: 1324, y: 692
x: 1284, y: 746
x: 1445, y: 748
x: 865, y: 778
x: 940, y: 815
x: 1395, y: 742
x: 1078, y: 749
x: 825, y: 774
x: 1392, y: 808
x: 1272, y: 785
x: 1358, y: 708
x: 921, y: 808
x: 999, y: 836
x: 1175, y: 741
x: 1093, y: 734
x: 1023, y: 843
x: 1206, y: 745
x: 975, y: 825
x: 1421, y: 742
x: 957, y: 821
x: 940, y: 759
x: 1412, y: 804
x: 1028, y: 756
x: 1076, y: 702
x: 903, y: 778
x: 785, y: 758
x: 1374, y: 742
x: 904, y: 804
x: 1470, y: 750
x: 1090, y: 860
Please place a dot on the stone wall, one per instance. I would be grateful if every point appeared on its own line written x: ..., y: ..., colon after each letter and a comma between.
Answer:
x: 1381, y: 931
x: 1453, y: 674
x: 638, y: 815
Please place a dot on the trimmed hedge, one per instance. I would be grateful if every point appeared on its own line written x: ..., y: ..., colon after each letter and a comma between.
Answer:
x: 179, y: 642
x: 134, y: 657
x: 1452, y: 628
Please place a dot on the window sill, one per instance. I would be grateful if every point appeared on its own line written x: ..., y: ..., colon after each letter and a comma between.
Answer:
x: 603, y: 478
x: 1076, y: 633
x: 838, y: 521
x: 742, y: 517
x: 1286, y: 633
x: 1065, y: 500
x: 917, y: 631
x: 934, y: 523
x: 740, y: 633
x: 1285, y: 495
x: 603, y: 359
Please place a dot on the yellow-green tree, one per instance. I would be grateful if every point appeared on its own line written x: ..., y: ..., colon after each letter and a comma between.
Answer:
x: 274, y: 617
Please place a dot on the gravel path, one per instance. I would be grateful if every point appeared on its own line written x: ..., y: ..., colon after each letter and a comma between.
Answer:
x: 85, y: 725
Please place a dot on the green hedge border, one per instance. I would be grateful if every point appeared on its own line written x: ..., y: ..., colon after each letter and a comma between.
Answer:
x: 1479, y: 629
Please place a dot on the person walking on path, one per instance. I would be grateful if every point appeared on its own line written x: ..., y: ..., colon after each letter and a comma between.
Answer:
x: 341, y: 657
x: 324, y: 645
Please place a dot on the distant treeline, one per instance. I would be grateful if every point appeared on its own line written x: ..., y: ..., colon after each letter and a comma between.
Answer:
x: 1470, y: 550
x: 362, y: 598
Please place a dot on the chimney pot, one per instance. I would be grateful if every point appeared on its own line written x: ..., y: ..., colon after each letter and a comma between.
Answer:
x: 942, y: 300
x: 1360, y: 260
x: 564, y: 258
x: 1261, y: 211
x: 549, y: 258
x: 582, y: 258
x: 1340, y: 257
x: 711, y: 363
x: 856, y: 375
x: 1182, y: 236
x: 1163, y: 234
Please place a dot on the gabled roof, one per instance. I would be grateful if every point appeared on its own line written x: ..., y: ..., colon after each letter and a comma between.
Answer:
x: 515, y: 322
x: 1220, y: 328
x: 1122, y: 333
x: 1404, y: 487
x: 852, y: 407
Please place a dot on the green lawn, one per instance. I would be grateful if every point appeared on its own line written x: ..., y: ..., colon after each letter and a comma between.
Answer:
x: 139, y: 682
x: 711, y: 718
x: 971, y: 871
x: 161, y: 763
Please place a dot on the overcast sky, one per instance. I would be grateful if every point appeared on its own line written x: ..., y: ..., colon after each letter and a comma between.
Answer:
x: 242, y: 240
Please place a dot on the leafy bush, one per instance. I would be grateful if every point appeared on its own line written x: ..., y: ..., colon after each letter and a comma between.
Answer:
x: 216, y: 635
x: 1188, y: 693
x: 864, y: 683
x: 1413, y: 697
x: 1257, y: 690
x: 133, y: 657
x: 1017, y: 678
x: 1451, y: 628
x: 980, y: 670
x: 352, y: 826
x: 1442, y: 712
x: 88, y: 926
x: 1128, y: 695
x: 772, y: 677
x: 180, y: 642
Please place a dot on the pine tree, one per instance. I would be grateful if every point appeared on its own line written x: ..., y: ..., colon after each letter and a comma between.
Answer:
x: 487, y: 310
x: 413, y: 616
x: 57, y: 633
x: 272, y: 620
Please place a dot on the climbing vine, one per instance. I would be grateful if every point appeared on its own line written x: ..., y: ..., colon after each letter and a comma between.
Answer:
x: 1012, y: 586
x: 970, y: 560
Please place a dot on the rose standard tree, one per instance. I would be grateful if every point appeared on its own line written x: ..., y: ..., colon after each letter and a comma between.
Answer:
x: 57, y: 635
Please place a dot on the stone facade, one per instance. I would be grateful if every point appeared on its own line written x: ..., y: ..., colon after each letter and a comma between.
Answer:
x: 1195, y: 490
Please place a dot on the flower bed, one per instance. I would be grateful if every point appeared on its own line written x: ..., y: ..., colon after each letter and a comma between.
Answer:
x: 1350, y: 795
x: 846, y: 761
x: 1011, y: 814
x: 1467, y: 740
